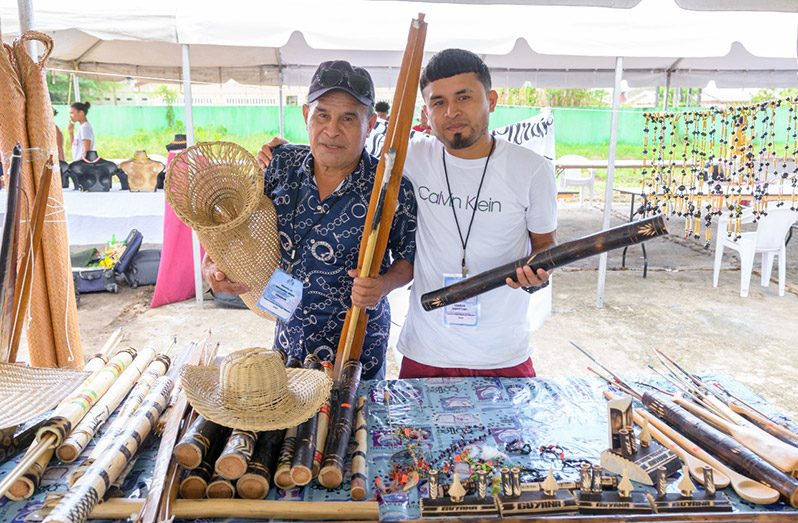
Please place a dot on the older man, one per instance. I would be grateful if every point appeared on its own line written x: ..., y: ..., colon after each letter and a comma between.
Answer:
x: 322, y: 195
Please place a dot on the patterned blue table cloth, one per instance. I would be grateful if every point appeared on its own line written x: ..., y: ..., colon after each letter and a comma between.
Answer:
x: 569, y: 412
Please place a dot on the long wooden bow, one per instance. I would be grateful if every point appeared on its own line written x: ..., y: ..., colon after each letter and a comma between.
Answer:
x: 384, y: 196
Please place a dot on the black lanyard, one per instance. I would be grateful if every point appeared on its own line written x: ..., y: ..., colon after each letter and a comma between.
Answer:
x: 464, y: 243
x: 295, y: 245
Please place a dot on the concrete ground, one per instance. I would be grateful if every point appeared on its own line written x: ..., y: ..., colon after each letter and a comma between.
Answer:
x: 674, y: 309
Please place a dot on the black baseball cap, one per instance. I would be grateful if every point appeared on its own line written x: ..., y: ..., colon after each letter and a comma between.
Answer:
x: 340, y: 74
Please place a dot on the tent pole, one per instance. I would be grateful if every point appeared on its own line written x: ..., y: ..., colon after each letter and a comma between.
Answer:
x: 187, y: 103
x: 26, y: 23
x: 616, y: 102
x: 280, y: 93
x: 282, y: 122
x: 667, y: 91
x: 76, y: 87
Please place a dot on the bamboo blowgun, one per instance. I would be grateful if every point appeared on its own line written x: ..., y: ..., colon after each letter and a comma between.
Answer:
x: 385, y: 194
x: 371, y: 245
x: 557, y: 256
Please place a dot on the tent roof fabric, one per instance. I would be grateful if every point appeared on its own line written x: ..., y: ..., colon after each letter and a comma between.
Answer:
x: 547, y: 45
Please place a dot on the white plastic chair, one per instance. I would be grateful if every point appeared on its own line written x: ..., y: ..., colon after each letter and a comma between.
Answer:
x: 768, y: 239
x: 576, y: 177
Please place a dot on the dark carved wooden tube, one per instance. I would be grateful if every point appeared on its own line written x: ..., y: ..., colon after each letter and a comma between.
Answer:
x: 344, y: 402
x: 557, y: 256
x: 302, y: 463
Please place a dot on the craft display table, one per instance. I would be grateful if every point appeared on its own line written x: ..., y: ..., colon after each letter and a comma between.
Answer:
x: 93, y: 218
x: 567, y: 414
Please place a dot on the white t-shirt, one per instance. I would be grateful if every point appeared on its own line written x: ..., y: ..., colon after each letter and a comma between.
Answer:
x: 519, y: 194
x: 82, y: 132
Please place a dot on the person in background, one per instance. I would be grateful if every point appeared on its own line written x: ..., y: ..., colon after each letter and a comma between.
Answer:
x: 59, y: 139
x: 382, y: 109
x: 82, y: 139
x: 423, y: 124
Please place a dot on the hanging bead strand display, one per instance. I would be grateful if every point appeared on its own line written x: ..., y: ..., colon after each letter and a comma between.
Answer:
x: 729, y: 161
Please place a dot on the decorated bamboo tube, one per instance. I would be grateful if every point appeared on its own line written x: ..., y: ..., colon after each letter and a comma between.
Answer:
x: 25, y: 486
x: 282, y: 476
x: 557, y: 256
x: 256, y: 482
x: 220, y: 488
x: 195, y: 484
x: 157, y: 368
x: 234, y: 459
x: 190, y: 452
x: 116, y: 487
x: 84, y: 431
x: 724, y: 446
x: 69, y: 414
x: 302, y: 463
x: 323, y: 425
x: 68, y: 411
x: 90, y: 489
x: 343, y: 412
x: 359, y: 478
x: 94, y: 366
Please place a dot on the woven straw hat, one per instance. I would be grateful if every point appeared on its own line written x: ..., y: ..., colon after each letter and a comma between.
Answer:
x: 252, y: 390
x: 216, y: 188
x: 27, y: 392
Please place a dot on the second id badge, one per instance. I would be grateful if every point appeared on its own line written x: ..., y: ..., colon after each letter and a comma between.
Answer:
x: 282, y: 295
x: 464, y: 313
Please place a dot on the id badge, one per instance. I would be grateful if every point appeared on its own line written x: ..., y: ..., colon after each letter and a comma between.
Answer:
x: 464, y: 313
x: 282, y: 295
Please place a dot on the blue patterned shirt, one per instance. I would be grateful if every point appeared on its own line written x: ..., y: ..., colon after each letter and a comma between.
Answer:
x: 326, y: 237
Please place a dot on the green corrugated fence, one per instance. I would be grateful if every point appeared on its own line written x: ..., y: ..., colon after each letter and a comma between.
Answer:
x: 574, y: 126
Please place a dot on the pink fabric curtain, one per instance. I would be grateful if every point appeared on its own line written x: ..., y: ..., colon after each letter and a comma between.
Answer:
x: 176, y: 271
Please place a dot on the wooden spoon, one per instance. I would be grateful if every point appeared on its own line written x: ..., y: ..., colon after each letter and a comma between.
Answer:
x: 694, y: 464
x: 746, y: 488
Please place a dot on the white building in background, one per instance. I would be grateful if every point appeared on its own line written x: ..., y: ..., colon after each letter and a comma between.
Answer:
x: 229, y: 93
x: 234, y: 93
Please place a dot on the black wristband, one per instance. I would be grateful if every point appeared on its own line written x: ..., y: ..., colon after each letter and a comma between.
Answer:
x: 532, y: 290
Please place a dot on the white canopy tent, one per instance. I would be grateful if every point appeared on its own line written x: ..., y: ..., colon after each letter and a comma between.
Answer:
x: 570, y: 44
x: 563, y: 46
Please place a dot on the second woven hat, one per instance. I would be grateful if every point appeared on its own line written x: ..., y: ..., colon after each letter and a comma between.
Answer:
x: 216, y: 188
x: 252, y: 390
x: 27, y: 392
